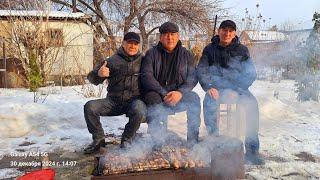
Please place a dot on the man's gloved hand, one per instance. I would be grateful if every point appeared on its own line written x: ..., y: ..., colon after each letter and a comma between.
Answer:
x: 172, y: 98
x: 104, y: 70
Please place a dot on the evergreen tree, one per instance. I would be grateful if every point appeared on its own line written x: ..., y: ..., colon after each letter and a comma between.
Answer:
x: 313, y: 45
x: 316, y: 19
x: 35, y: 78
x: 308, y: 83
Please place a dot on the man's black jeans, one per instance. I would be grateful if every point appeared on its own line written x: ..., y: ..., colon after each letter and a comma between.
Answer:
x: 136, y: 111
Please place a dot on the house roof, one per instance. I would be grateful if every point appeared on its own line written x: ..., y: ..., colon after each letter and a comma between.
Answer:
x: 265, y: 36
x: 36, y: 13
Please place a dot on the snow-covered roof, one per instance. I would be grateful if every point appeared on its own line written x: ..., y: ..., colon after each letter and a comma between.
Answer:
x: 36, y: 13
x: 266, y: 36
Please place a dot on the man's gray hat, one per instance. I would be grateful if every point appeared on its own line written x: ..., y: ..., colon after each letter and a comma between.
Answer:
x: 131, y: 36
x: 228, y: 24
x: 168, y: 27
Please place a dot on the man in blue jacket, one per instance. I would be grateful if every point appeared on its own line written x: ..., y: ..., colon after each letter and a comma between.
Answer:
x: 225, y: 66
x: 168, y: 77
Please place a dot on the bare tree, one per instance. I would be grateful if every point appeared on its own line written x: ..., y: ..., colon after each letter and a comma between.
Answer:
x: 21, y: 4
x: 28, y: 41
x: 288, y: 25
x: 112, y: 16
x: 192, y: 15
x: 99, y: 11
x: 32, y: 40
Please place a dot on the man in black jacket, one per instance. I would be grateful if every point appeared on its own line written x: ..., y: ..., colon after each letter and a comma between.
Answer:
x: 168, y: 77
x: 122, y: 70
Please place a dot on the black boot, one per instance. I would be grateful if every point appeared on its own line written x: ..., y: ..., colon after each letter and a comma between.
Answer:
x: 126, y: 143
x: 192, y: 136
x: 95, y: 146
x: 254, y: 158
x: 252, y: 155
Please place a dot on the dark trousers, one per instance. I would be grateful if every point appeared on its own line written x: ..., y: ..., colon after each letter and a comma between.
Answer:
x: 136, y: 111
x: 158, y: 112
x: 250, y: 104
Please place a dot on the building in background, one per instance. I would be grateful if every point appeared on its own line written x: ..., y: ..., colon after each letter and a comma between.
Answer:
x: 68, y: 35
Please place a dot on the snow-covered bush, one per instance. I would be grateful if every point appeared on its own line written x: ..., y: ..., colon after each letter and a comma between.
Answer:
x: 308, y: 83
x: 90, y: 90
x: 307, y: 88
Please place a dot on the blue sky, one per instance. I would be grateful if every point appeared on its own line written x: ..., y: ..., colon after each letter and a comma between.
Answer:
x: 298, y: 12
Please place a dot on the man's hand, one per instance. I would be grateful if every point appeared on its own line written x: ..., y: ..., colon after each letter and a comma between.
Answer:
x: 214, y: 93
x: 172, y: 98
x: 104, y: 70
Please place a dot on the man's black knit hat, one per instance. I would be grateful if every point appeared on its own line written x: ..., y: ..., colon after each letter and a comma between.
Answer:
x: 168, y: 27
x: 131, y: 36
x: 228, y: 24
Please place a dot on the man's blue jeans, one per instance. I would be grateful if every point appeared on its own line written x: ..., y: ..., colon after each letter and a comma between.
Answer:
x: 249, y: 103
x: 158, y: 112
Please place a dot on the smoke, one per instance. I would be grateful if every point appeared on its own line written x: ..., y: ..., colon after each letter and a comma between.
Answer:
x: 146, y: 144
x: 224, y: 153
x: 140, y: 148
x: 293, y: 56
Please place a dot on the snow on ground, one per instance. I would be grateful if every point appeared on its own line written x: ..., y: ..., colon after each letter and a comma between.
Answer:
x: 9, y: 173
x: 287, y: 127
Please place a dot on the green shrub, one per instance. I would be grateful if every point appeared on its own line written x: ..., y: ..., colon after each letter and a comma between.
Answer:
x: 34, y: 76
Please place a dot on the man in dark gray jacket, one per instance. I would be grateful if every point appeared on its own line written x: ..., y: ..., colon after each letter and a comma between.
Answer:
x: 226, y: 67
x: 168, y: 77
x: 122, y: 70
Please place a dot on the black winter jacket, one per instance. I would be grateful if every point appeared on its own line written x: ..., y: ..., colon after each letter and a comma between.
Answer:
x: 226, y: 67
x: 124, y: 79
x: 150, y: 69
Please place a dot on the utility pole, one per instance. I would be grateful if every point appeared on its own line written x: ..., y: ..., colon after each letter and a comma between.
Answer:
x: 4, y: 64
x: 215, y: 25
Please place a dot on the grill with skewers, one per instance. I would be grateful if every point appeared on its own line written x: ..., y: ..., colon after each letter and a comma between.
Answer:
x: 172, y: 162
